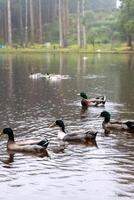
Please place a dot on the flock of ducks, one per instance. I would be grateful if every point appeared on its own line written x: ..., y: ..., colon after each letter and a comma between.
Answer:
x: 41, y: 145
x: 107, y: 124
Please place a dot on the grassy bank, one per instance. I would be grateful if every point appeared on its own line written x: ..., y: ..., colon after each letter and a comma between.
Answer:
x: 101, y: 48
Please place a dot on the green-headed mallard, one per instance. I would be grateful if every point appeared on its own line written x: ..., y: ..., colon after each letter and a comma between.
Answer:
x: 74, y: 137
x: 116, y: 125
x: 27, y: 146
x: 97, y: 101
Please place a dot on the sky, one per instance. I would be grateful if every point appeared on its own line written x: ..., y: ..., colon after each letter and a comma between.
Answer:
x: 118, y: 3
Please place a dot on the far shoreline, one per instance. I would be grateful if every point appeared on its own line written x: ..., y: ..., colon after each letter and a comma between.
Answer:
x: 71, y: 49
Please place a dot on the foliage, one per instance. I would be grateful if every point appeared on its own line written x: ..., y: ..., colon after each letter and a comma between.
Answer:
x: 94, y: 4
x: 51, y: 32
x: 126, y: 20
x: 101, y: 27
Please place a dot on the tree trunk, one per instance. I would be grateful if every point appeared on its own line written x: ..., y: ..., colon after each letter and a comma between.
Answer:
x: 65, y: 22
x: 60, y: 24
x: 26, y: 22
x: 78, y: 24
x: 4, y: 24
x: 129, y: 42
x: 21, y: 23
x: 31, y: 21
x: 1, y: 21
x: 55, y: 9
x: 9, y: 23
x: 84, y: 26
x: 40, y: 23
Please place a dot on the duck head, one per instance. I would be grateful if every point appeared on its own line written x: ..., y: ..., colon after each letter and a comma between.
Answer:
x: 9, y: 132
x: 83, y: 95
x: 58, y: 123
x: 106, y: 115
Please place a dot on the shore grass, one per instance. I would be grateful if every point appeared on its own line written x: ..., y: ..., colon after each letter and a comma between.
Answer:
x: 100, y: 48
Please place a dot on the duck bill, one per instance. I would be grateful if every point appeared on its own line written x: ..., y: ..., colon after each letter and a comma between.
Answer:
x: 52, y: 125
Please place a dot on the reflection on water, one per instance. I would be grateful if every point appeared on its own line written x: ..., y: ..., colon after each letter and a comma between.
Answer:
x: 9, y: 159
x: 97, y: 171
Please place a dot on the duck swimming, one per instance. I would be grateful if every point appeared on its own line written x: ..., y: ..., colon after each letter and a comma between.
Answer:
x: 36, y: 76
x: 27, y: 146
x: 56, y: 77
x: 115, y: 125
x: 97, y: 101
x: 74, y: 137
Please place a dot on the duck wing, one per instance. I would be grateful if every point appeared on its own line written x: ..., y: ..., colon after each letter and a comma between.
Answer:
x: 27, y: 142
x: 90, y: 135
x: 29, y: 146
x: 80, y: 137
x: 43, y: 143
x: 32, y: 142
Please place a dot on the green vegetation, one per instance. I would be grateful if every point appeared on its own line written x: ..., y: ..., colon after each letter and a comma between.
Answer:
x: 96, y: 26
x: 126, y: 21
x: 99, y: 48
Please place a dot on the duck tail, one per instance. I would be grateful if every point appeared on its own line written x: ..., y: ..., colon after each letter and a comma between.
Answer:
x: 91, y: 135
x: 102, y: 100
x: 95, y: 134
x: 130, y: 124
x: 44, y: 143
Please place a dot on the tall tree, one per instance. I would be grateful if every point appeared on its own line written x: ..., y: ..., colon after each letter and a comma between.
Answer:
x: 78, y: 24
x: 65, y: 22
x: 60, y: 24
x: 126, y: 20
x: 26, y: 22
x: 40, y: 23
x: 84, y: 25
x: 2, y: 21
x: 31, y: 21
x: 21, y: 21
x: 9, y: 23
x: 30, y: 17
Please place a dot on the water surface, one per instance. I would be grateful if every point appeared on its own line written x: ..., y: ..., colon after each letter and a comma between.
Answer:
x: 101, y: 171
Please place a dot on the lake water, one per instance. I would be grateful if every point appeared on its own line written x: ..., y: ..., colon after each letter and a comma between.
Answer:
x: 28, y: 106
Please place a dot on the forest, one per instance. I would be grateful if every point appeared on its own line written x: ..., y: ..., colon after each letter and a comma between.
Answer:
x: 62, y: 23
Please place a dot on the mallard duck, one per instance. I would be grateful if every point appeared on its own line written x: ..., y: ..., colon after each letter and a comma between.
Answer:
x: 74, y: 137
x: 56, y: 77
x: 36, y: 76
x: 27, y: 146
x: 97, y: 101
x: 116, y: 125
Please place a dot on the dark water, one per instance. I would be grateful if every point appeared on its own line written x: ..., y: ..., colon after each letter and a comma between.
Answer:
x: 102, y: 171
